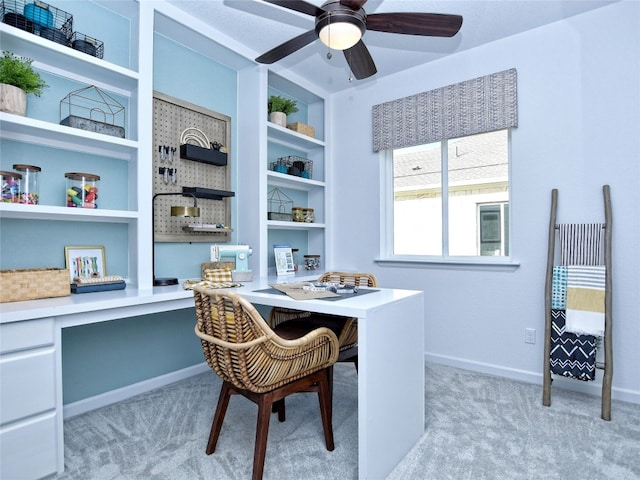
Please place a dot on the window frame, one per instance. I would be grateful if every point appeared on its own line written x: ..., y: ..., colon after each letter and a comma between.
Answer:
x: 386, y: 255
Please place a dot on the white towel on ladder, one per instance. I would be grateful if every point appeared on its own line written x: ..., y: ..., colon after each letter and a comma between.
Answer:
x: 585, y: 299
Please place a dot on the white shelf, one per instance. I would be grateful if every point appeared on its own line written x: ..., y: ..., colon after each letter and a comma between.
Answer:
x: 45, y: 212
x: 30, y: 130
x: 278, y: 225
x: 287, y: 137
x: 277, y: 179
x: 59, y: 59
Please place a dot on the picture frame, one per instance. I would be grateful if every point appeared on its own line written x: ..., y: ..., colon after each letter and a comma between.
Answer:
x: 284, y: 260
x: 85, y: 262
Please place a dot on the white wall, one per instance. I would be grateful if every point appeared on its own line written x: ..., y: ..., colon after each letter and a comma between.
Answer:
x: 579, y: 124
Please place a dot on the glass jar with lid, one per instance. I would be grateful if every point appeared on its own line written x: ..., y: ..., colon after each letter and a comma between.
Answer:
x: 82, y: 190
x: 309, y: 215
x: 29, y: 193
x: 10, y: 186
x: 311, y: 262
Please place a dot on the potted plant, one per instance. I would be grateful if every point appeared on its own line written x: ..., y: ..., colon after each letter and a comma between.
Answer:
x: 17, y: 79
x: 279, y: 108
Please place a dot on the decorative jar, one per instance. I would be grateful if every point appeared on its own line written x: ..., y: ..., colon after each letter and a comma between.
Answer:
x: 297, y: 214
x: 29, y: 193
x: 82, y: 190
x: 10, y: 186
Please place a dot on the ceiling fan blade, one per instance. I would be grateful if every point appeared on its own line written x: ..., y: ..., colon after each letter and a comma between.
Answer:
x: 298, y: 5
x: 288, y: 47
x: 360, y: 61
x: 353, y: 4
x: 426, y: 24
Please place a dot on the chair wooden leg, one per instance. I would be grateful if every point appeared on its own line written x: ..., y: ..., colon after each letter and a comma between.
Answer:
x: 262, y: 432
x: 218, y: 418
x: 330, y: 381
x: 326, y: 407
x: 279, y: 407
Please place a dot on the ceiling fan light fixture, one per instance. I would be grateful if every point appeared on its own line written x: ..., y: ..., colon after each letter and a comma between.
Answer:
x: 339, y: 28
x: 340, y: 35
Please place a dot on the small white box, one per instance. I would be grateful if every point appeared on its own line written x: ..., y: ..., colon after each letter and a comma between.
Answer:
x: 242, y: 276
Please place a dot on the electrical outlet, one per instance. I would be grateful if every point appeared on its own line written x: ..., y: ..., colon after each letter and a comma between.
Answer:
x: 529, y: 335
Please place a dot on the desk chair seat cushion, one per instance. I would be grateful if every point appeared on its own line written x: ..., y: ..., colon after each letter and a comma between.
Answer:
x: 293, y: 329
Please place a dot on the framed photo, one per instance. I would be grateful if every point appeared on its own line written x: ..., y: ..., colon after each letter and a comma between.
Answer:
x: 85, y: 262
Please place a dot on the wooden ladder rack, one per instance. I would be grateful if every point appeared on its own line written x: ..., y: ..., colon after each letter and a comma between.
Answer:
x: 607, y: 340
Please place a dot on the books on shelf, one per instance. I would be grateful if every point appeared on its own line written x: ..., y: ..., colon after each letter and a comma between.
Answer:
x: 98, y: 284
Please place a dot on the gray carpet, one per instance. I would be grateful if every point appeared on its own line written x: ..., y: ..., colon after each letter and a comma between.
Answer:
x: 477, y: 427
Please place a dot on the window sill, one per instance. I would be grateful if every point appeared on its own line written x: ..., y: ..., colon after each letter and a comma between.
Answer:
x: 504, y: 265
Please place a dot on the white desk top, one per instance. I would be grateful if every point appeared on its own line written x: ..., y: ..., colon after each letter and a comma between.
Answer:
x: 131, y: 301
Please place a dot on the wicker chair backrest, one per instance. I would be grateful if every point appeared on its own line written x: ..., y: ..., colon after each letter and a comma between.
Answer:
x: 241, y: 347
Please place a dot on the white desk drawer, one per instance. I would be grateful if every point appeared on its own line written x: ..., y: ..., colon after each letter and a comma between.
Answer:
x: 28, y: 384
x: 27, y: 334
x: 28, y: 449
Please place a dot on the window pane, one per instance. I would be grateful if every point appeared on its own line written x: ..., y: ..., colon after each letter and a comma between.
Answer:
x: 417, y: 200
x: 478, y: 174
x: 490, y: 220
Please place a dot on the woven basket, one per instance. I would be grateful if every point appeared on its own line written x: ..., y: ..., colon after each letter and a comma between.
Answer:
x: 302, y: 128
x: 33, y: 283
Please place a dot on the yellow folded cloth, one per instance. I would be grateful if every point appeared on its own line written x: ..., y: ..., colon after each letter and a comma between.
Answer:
x: 218, y: 275
x: 585, y: 300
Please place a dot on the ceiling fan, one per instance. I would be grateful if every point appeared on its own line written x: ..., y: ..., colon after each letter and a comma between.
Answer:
x: 340, y: 24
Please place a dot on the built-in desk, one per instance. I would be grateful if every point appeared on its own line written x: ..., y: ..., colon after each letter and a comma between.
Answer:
x: 390, y: 368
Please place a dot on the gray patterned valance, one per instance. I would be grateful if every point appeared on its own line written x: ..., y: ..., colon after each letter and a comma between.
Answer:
x: 483, y: 104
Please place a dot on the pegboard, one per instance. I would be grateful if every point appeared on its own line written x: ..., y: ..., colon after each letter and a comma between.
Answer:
x: 171, y: 117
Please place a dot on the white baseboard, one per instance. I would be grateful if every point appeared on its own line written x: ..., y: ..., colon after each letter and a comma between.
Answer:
x: 590, y: 388
x: 114, y: 396
x: 119, y: 394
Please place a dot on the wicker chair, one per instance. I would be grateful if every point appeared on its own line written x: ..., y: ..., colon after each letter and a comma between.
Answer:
x: 255, y: 362
x: 290, y: 323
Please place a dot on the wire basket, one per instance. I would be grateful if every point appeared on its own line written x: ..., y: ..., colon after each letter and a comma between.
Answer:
x: 280, y: 205
x: 293, y: 165
x: 38, y: 18
x: 86, y: 44
x: 91, y: 108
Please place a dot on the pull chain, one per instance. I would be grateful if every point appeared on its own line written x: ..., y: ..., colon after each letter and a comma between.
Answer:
x: 329, y: 54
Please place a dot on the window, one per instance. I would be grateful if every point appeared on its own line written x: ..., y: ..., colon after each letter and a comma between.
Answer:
x: 451, y: 198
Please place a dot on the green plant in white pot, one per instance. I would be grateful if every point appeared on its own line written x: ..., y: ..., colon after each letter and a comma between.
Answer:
x: 17, y: 80
x: 279, y: 108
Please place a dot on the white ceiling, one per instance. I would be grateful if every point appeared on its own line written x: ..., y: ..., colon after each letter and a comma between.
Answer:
x: 260, y: 26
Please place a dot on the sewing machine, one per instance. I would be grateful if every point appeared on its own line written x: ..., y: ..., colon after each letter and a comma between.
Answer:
x: 238, y: 254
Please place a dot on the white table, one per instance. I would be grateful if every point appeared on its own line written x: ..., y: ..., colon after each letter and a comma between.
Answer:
x: 390, y: 368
